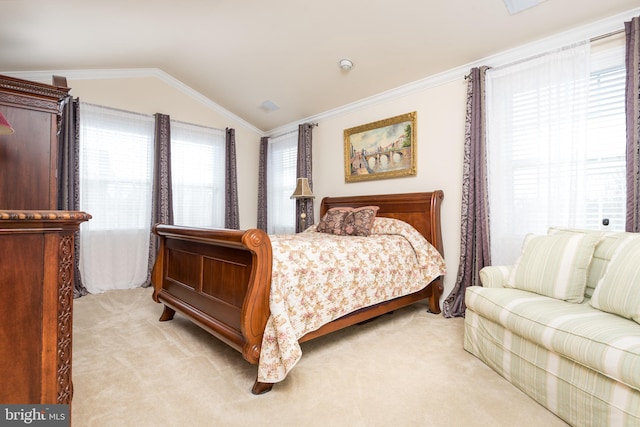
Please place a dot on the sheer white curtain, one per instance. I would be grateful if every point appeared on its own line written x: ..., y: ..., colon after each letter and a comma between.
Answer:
x: 116, y: 160
x: 537, y: 151
x: 281, y: 181
x: 198, y: 175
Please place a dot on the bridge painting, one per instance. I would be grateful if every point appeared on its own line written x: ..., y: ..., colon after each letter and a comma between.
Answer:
x: 383, y: 149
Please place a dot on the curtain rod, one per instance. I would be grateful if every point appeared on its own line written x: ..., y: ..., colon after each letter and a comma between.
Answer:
x: 291, y: 131
x: 119, y: 110
x: 197, y: 125
x: 151, y: 116
x: 592, y: 39
x: 604, y: 36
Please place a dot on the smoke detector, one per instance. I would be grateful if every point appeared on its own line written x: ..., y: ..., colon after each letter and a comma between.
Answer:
x: 345, y: 64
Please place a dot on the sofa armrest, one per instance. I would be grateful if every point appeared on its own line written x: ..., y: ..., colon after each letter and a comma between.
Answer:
x: 495, y: 276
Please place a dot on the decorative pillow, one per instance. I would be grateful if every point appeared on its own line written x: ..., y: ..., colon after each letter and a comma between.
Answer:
x: 618, y: 291
x: 602, y: 254
x: 333, y: 221
x: 554, y: 265
x: 359, y: 221
x: 348, y: 221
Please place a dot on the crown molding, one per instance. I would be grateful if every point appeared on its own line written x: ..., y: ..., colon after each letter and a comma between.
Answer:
x: 128, y: 73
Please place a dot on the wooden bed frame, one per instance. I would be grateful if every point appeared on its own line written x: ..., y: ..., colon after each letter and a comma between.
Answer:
x: 220, y: 278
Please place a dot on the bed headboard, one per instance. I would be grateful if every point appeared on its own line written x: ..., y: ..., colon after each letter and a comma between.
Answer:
x: 421, y: 210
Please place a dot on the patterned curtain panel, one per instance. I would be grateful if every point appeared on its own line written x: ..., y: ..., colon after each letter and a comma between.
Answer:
x: 262, y: 184
x: 474, y: 232
x: 632, y: 92
x: 231, y: 216
x: 69, y: 176
x: 162, y: 200
x: 304, y: 170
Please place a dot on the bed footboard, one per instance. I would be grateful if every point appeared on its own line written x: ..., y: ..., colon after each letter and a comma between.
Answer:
x: 219, y: 279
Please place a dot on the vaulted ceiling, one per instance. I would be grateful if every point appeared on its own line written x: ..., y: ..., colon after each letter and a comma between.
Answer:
x: 243, y: 53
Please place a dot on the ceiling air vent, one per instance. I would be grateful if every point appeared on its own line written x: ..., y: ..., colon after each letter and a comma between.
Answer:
x: 515, y: 6
x: 269, y: 106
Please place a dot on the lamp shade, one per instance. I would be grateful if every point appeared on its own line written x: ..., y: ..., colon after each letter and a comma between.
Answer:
x: 302, y: 190
x: 5, y: 127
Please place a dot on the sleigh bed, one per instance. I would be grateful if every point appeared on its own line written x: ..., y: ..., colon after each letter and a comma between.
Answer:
x: 221, y: 279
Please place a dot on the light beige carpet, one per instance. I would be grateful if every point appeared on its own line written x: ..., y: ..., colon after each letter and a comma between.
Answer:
x: 403, y: 369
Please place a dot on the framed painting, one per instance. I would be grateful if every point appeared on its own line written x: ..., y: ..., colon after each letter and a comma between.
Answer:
x: 380, y: 150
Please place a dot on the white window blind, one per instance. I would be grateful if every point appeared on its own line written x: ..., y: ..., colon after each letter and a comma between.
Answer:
x: 116, y: 161
x: 198, y: 175
x: 606, y: 143
x: 556, y: 145
x: 281, y: 182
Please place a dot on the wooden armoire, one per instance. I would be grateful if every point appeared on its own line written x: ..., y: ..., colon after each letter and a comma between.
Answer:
x: 36, y: 249
x: 29, y: 156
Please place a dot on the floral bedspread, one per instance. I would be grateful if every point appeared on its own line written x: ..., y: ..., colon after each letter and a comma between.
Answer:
x: 319, y: 277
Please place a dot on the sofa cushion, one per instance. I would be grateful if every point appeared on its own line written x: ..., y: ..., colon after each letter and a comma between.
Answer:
x: 555, y: 265
x: 604, y: 342
x: 618, y: 291
x: 602, y: 254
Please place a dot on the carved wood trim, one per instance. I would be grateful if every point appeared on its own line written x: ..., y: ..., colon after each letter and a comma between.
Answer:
x: 33, y: 103
x: 65, y: 324
x: 32, y: 88
x: 34, y: 95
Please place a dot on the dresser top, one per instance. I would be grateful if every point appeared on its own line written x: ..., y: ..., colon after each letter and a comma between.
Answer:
x: 44, y: 215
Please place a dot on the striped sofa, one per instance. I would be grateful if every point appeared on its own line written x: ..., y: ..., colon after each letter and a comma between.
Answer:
x: 563, y: 324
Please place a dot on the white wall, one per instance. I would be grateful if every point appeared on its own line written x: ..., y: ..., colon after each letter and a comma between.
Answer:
x: 440, y: 142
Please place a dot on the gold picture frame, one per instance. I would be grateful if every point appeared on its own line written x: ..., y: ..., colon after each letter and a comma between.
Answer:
x: 382, y: 149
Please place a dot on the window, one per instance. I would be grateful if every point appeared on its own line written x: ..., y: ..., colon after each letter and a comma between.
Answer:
x: 281, y: 182
x: 198, y: 175
x: 556, y: 145
x: 116, y: 171
x: 606, y: 143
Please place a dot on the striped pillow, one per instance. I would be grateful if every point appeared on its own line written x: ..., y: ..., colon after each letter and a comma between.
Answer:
x: 554, y: 265
x: 618, y: 291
